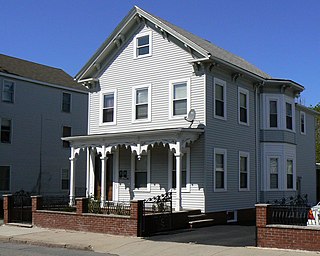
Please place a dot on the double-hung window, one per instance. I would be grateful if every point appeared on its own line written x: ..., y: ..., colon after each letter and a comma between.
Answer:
x: 108, y: 108
x: 288, y: 116
x: 302, y: 123
x: 6, y: 130
x: 243, y: 106
x: 141, y: 171
x: 8, y: 91
x: 65, y: 179
x: 244, y: 172
x: 273, y: 113
x: 274, y: 172
x: 289, y: 173
x: 142, y: 103
x: 66, y: 132
x: 4, y: 178
x: 66, y: 102
x: 220, y: 169
x: 179, y: 97
x: 220, y: 100
x: 143, y: 45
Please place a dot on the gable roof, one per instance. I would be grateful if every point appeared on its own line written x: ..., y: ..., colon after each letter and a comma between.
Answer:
x: 202, y: 46
x: 33, y: 71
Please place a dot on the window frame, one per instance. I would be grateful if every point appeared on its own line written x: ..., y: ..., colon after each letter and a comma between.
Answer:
x: 278, y: 172
x: 10, y: 132
x: 304, y: 123
x: 246, y: 155
x: 224, y: 86
x: 172, y: 83
x: 114, y: 92
x: 171, y: 155
x: 63, y: 103
x: 133, y: 171
x: 61, y: 183
x: 286, y: 174
x: 269, y: 114
x: 286, y: 116
x: 3, y: 91
x: 223, y: 152
x: 135, y: 45
x: 134, y: 103
x: 246, y: 93
x: 10, y: 175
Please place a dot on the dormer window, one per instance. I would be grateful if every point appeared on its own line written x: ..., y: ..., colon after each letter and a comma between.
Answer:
x: 142, y: 45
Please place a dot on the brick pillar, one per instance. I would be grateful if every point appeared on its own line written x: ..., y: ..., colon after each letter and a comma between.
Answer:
x: 7, y: 208
x: 261, y: 215
x: 36, y: 204
x: 82, y: 205
x: 136, y: 213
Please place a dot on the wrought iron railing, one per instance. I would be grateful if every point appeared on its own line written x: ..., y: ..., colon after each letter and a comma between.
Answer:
x: 57, y: 203
x: 158, y: 204
x: 22, y: 207
x: 288, y: 215
x: 109, y: 207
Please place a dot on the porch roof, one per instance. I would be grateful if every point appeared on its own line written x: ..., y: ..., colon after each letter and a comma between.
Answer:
x: 134, y: 138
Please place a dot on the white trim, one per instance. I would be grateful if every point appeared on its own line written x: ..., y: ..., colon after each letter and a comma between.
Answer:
x: 292, y: 115
x: 14, y: 91
x: 235, y: 216
x: 305, y: 123
x: 10, y: 178
x: 245, y: 92
x: 294, y: 177
x: 134, y: 89
x: 114, y: 92
x: 277, y: 100
x: 278, y: 172
x: 43, y: 83
x: 135, y: 45
x: 133, y: 171
x: 247, y: 155
x: 223, y: 152
x: 171, y: 88
x: 224, y: 86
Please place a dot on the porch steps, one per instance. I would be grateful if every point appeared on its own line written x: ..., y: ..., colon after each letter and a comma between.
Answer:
x: 199, y: 221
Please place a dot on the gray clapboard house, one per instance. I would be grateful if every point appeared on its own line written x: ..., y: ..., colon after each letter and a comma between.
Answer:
x: 249, y: 142
x: 38, y: 105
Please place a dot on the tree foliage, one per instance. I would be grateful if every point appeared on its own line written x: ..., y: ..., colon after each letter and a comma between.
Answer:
x: 317, y: 108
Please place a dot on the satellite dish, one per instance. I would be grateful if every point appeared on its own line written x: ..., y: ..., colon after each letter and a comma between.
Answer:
x: 190, y: 117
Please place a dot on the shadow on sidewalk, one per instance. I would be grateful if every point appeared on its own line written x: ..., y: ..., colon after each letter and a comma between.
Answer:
x: 221, y: 235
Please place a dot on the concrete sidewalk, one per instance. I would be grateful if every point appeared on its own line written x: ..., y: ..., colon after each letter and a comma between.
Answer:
x: 126, y: 246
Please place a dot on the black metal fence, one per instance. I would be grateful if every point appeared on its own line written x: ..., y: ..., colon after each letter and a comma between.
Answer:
x: 109, y: 207
x: 157, y: 214
x: 22, y: 207
x: 57, y: 203
x: 288, y: 215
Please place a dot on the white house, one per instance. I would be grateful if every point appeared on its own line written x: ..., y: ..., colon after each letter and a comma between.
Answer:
x: 38, y: 105
x: 249, y: 141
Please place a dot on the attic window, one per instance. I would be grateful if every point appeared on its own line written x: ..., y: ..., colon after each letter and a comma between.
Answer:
x: 142, y: 45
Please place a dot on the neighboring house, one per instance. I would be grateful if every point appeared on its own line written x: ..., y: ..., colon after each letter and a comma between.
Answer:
x: 38, y: 105
x: 249, y: 141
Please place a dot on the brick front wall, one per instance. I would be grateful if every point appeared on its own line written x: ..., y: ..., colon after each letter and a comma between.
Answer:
x: 285, y: 236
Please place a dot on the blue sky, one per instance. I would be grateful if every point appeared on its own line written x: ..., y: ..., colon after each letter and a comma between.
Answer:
x: 281, y: 37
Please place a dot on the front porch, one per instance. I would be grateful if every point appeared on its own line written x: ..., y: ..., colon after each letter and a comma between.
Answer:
x: 120, y: 165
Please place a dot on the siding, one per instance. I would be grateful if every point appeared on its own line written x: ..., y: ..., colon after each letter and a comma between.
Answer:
x: 168, y: 62
x: 233, y: 137
x: 37, y: 112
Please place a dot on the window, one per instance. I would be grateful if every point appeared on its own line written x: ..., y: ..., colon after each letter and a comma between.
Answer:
x: 142, y: 103
x: 179, y: 98
x: 289, y: 174
x: 4, y: 178
x: 65, y: 179
x: 66, y: 102
x: 6, y: 126
x: 273, y: 114
x: 243, y: 101
x: 219, y: 99
x: 274, y: 173
x: 66, y: 132
x: 220, y: 169
x: 108, y: 108
x: 244, y: 172
x: 8, y: 91
x: 141, y: 172
x: 303, y: 123
x: 288, y: 116
x: 143, y: 45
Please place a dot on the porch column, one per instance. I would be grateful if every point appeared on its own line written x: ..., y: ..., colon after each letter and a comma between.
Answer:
x: 103, y: 179
x: 88, y: 173
x: 72, y: 180
x: 178, y: 156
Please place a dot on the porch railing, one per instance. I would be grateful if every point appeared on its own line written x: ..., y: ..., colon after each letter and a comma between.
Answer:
x: 288, y: 215
x: 109, y: 207
x: 57, y: 203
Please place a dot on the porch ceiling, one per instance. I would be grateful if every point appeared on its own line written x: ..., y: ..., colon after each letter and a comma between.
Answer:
x: 135, y: 138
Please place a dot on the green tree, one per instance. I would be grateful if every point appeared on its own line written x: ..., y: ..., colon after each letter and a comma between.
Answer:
x: 317, y: 108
